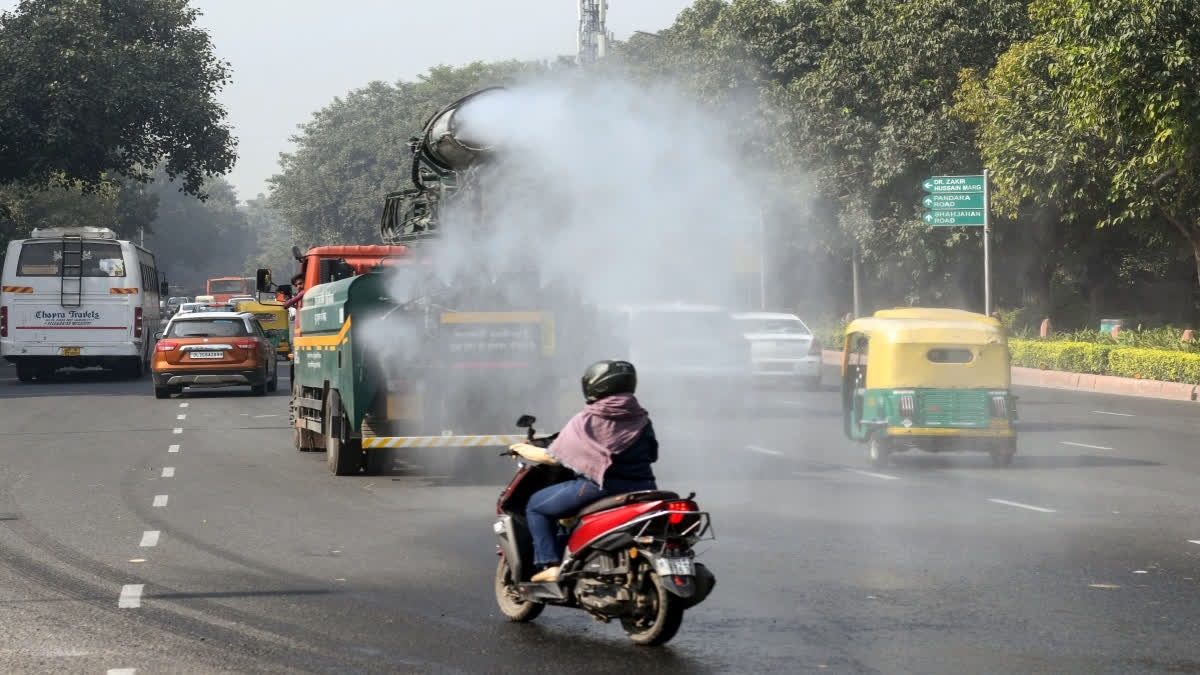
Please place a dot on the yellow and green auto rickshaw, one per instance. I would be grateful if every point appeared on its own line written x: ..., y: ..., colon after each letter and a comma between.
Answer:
x: 274, y: 320
x: 931, y: 379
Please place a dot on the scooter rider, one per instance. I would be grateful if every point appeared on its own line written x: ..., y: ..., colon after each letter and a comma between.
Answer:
x: 610, y: 445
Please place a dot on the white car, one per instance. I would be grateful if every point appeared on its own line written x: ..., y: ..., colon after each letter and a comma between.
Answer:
x: 785, y: 352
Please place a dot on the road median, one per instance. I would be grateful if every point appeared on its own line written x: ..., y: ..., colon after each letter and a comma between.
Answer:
x: 1099, y: 384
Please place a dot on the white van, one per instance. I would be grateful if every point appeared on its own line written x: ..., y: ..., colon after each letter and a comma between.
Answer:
x: 78, y: 297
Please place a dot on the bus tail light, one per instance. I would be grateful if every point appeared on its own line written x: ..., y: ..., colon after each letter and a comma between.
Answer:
x: 3, y: 322
x: 137, y: 322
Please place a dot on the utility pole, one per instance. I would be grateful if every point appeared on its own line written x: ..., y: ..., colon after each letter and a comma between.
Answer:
x: 593, y: 33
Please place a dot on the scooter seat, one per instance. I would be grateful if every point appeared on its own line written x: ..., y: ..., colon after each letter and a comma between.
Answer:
x: 622, y: 499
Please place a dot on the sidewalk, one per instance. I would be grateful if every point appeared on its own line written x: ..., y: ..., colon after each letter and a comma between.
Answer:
x: 1097, y: 384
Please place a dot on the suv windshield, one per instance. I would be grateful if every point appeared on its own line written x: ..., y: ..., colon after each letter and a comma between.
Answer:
x: 208, y: 328
x: 775, y: 326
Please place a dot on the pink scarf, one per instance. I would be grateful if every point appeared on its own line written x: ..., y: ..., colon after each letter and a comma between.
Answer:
x: 602, y: 429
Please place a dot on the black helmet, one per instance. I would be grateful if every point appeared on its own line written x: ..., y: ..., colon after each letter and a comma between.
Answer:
x: 606, y: 378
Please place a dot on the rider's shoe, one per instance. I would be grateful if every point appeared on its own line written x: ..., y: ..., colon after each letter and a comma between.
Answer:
x: 547, y: 575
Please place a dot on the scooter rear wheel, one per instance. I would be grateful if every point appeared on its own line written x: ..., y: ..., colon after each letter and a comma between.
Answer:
x: 663, y: 619
x: 511, y: 605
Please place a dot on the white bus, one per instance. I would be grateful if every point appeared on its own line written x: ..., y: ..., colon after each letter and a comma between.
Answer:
x: 78, y: 297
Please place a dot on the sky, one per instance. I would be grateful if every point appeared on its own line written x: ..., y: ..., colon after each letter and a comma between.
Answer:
x: 290, y: 58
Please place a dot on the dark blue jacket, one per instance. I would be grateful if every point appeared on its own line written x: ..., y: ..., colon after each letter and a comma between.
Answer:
x: 633, y: 463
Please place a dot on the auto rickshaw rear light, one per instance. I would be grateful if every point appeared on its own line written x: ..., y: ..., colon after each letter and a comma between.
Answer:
x: 908, y: 405
x: 166, y: 346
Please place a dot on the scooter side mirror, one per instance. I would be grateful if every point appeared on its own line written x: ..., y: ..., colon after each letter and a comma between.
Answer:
x: 526, y: 421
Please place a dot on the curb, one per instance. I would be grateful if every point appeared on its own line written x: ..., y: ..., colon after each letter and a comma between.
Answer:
x: 1096, y: 384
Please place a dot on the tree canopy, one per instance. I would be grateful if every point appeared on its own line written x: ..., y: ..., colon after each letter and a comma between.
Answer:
x: 93, y: 88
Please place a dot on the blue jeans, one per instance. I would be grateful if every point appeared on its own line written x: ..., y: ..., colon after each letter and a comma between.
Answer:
x: 549, y: 504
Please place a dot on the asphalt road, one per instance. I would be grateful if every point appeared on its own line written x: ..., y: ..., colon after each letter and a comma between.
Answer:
x: 186, y: 535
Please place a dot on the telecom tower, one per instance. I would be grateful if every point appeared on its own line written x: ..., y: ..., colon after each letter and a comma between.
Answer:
x: 593, y: 34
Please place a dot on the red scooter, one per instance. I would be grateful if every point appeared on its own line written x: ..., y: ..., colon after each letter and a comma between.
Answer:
x: 628, y: 556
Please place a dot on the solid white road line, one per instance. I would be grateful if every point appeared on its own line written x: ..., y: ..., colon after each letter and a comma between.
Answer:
x: 131, y: 596
x: 1022, y: 506
x: 160, y: 500
x: 173, y: 448
x: 1194, y: 541
x: 764, y: 451
x: 149, y: 538
x: 121, y: 671
x: 168, y: 472
x: 181, y: 417
x: 177, y: 430
x: 872, y: 474
x: 1105, y: 412
x: 1085, y: 445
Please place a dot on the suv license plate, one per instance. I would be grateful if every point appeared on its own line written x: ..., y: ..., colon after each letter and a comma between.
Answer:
x: 675, y: 566
x: 69, y: 351
x: 207, y: 355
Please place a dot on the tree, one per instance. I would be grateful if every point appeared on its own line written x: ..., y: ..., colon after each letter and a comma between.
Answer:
x: 93, y: 87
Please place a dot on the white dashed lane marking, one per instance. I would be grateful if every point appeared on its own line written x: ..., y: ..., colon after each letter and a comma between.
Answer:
x: 168, y: 472
x: 764, y: 451
x: 183, y: 405
x: 1019, y: 505
x: 160, y: 500
x: 1194, y: 541
x: 1085, y: 445
x: 872, y: 474
x: 149, y: 539
x: 181, y: 417
x: 1105, y: 412
x: 173, y: 448
x: 131, y: 596
x: 177, y: 430
x: 121, y: 671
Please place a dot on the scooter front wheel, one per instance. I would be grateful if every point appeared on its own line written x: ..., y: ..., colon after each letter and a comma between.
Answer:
x: 662, y: 619
x: 513, y: 606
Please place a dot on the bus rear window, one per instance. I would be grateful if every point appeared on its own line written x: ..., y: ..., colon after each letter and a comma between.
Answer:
x: 44, y: 259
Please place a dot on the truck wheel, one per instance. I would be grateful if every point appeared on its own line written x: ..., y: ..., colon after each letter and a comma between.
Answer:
x: 344, y: 456
x: 304, y: 440
x: 377, y: 461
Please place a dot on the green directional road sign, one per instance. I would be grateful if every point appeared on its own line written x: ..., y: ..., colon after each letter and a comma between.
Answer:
x: 954, y: 217
x: 953, y: 200
x: 953, y: 184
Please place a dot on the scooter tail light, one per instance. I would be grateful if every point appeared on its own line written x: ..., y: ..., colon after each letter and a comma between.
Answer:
x: 679, y: 509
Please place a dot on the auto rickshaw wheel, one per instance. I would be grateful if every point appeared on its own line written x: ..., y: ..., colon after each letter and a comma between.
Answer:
x: 1002, y: 453
x: 878, y: 450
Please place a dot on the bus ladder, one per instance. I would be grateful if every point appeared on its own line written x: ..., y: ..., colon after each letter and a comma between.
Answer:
x: 71, y: 289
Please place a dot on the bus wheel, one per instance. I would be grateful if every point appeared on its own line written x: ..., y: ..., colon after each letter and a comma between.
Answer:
x: 878, y: 450
x: 25, y: 372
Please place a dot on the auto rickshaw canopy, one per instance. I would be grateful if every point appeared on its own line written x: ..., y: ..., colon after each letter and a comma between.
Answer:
x: 932, y: 348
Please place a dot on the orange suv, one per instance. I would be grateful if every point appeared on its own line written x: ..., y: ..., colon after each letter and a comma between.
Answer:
x: 214, y: 349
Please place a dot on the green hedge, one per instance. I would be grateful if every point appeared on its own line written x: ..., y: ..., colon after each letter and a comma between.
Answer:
x: 1100, y: 359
